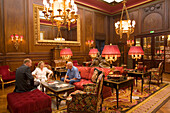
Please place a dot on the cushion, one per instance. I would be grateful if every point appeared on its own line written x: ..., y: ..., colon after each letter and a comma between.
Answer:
x: 84, y: 72
x: 95, y: 75
x: 79, y: 85
x: 29, y: 102
x: 105, y: 70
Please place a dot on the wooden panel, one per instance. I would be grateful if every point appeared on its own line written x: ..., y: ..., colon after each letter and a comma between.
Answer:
x: 1, y: 28
x: 88, y: 25
x: 134, y: 15
x: 100, y: 23
x: 152, y: 22
x: 14, y: 16
x: 168, y: 12
x: 153, y: 17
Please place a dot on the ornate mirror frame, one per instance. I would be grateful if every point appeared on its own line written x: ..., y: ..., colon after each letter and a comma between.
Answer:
x: 37, y: 41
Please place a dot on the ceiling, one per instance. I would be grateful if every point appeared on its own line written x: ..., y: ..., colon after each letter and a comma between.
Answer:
x: 109, y: 8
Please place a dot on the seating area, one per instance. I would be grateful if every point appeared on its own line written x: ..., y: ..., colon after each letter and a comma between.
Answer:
x: 59, y: 56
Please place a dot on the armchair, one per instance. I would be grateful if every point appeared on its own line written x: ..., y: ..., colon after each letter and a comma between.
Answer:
x: 6, y: 76
x: 157, y: 73
x: 81, y: 101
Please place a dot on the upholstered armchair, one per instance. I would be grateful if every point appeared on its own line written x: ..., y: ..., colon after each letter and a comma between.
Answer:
x: 157, y: 73
x: 90, y: 101
x: 6, y: 76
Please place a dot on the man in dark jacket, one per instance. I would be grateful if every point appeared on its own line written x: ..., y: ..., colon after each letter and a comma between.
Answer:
x: 24, y: 79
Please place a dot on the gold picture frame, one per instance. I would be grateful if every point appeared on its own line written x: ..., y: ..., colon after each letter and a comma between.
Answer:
x: 37, y: 40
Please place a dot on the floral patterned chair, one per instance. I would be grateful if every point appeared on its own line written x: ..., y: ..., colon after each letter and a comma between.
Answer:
x: 89, y: 100
x: 157, y: 73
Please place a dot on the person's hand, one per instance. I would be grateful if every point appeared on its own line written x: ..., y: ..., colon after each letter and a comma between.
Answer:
x: 48, y: 79
x: 67, y: 80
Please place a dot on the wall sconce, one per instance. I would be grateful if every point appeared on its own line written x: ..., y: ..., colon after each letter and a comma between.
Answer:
x: 16, y: 40
x: 130, y: 42
x: 90, y: 43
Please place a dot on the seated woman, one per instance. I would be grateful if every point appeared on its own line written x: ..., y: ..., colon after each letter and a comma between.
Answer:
x: 40, y: 73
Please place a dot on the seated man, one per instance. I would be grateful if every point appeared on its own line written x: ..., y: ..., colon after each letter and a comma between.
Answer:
x: 72, y: 74
x: 24, y: 79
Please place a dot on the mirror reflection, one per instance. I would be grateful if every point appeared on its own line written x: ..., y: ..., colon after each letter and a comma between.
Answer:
x: 49, y: 31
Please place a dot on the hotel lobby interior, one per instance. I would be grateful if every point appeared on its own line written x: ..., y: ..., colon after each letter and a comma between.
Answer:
x: 121, y: 49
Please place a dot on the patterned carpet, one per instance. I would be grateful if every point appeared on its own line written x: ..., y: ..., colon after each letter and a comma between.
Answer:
x: 146, y: 102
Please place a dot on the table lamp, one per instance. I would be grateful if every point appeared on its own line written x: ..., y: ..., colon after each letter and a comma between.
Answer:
x: 93, y: 53
x: 136, y: 52
x: 66, y: 53
x: 111, y: 52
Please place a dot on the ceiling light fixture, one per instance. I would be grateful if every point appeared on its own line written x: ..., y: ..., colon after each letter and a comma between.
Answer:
x: 125, y: 26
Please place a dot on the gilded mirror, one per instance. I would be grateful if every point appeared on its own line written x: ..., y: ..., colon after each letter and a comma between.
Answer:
x: 45, y: 32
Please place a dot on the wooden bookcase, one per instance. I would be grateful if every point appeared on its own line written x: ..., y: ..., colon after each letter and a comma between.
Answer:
x: 155, y: 49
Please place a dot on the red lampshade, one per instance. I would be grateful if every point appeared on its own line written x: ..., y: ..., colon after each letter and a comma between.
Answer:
x: 66, y: 51
x: 136, y: 50
x: 111, y: 51
x: 93, y: 51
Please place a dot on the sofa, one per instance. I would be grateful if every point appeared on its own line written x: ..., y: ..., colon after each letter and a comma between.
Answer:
x: 86, y: 75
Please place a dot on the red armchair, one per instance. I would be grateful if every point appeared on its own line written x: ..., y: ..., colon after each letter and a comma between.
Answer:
x: 6, y: 76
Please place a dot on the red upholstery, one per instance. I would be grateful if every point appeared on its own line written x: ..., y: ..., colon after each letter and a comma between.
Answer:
x: 75, y: 63
x: 79, y: 85
x: 29, y: 102
x: 6, y: 75
x: 86, y: 74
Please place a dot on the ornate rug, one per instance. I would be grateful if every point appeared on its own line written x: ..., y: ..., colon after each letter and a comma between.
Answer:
x: 146, y: 102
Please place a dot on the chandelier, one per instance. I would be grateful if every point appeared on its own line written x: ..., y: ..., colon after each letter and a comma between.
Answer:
x: 110, y: 1
x: 125, y: 26
x: 60, y: 11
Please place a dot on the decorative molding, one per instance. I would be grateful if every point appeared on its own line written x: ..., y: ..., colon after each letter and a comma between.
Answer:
x: 16, y: 53
x: 153, y: 8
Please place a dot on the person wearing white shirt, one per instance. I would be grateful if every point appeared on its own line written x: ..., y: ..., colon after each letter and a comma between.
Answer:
x: 40, y: 73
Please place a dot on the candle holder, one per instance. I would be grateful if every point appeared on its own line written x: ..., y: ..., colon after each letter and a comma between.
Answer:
x: 16, y: 40
x: 90, y: 43
x: 130, y: 42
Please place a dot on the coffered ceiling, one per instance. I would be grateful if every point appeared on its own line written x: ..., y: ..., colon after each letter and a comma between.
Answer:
x: 110, y: 8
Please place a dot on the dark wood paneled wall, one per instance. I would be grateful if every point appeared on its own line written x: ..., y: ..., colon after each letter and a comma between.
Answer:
x: 154, y: 16
x: 16, y: 16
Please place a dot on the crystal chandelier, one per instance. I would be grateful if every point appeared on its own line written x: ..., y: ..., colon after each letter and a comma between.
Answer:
x: 125, y: 26
x: 60, y: 11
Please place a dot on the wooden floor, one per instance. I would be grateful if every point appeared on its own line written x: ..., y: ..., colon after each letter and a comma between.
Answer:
x: 9, y: 88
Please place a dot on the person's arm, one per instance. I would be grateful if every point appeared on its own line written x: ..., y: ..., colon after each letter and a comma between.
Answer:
x: 34, y: 73
x: 49, y: 73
